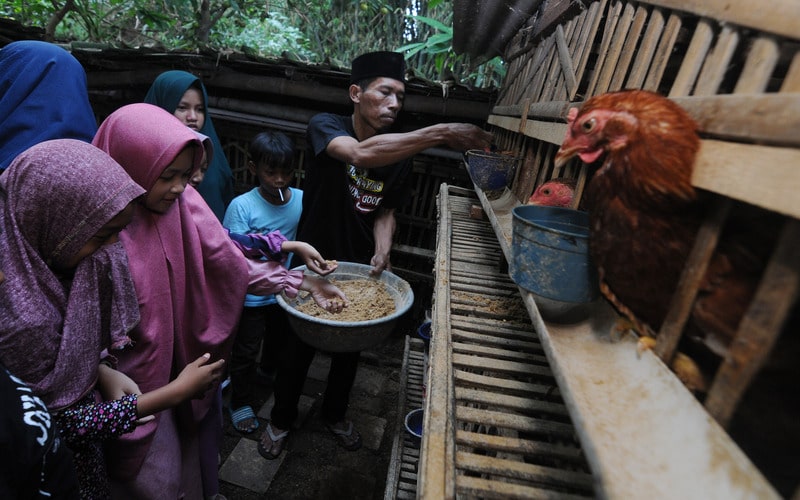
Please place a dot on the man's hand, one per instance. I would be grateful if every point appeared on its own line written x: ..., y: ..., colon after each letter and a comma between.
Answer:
x: 465, y: 136
x: 380, y: 263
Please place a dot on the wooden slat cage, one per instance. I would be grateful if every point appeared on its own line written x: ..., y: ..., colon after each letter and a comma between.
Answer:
x: 735, y: 67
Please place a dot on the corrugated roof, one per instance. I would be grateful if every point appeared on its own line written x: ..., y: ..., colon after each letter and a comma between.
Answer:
x: 483, y: 28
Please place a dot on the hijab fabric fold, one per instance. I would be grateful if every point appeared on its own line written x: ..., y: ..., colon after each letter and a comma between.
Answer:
x: 166, y: 93
x: 190, y: 279
x: 53, y: 198
x: 42, y: 97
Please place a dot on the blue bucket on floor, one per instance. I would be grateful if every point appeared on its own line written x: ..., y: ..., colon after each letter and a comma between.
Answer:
x: 550, y: 257
x: 424, y: 332
x: 413, y: 423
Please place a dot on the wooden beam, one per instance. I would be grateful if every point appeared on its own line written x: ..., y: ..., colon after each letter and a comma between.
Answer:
x: 764, y: 118
x: 554, y: 14
x: 760, y: 327
x: 683, y: 299
x: 436, y: 477
x: 761, y: 175
x: 780, y: 17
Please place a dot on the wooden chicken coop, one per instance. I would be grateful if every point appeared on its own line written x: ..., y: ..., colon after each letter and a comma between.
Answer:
x: 492, y: 427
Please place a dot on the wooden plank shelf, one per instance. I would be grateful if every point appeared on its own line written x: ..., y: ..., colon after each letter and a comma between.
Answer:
x: 643, y: 433
x: 495, y: 424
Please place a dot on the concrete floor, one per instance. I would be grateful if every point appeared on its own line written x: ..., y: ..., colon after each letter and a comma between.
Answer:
x: 312, y: 465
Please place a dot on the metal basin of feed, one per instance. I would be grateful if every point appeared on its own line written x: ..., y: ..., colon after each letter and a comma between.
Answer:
x: 348, y: 336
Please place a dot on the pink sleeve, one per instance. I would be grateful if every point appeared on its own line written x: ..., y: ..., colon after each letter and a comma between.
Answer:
x: 267, y: 277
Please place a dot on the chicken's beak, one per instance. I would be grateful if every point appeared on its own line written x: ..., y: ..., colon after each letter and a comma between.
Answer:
x: 565, y: 154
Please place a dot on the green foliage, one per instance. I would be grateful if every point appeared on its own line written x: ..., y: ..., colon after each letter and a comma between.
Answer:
x: 28, y: 12
x: 269, y: 37
x: 321, y: 31
x: 447, y: 64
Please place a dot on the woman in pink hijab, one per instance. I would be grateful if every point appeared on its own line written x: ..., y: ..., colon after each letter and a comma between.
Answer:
x: 190, y: 280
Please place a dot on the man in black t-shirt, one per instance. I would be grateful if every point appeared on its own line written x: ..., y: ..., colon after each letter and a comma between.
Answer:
x: 357, y: 174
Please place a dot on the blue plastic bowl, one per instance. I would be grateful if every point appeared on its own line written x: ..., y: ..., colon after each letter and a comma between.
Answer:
x: 489, y: 170
x: 424, y: 332
x: 414, y: 423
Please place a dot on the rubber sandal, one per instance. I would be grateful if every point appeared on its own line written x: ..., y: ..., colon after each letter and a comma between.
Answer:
x: 240, y: 415
x: 349, y: 439
x: 276, y: 444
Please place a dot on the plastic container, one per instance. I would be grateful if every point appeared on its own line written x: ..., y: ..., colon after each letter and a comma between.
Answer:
x: 550, y: 259
x: 413, y: 424
x: 424, y: 332
x: 490, y: 170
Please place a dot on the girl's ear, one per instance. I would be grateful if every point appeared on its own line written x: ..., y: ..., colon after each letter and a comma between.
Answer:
x: 251, y: 166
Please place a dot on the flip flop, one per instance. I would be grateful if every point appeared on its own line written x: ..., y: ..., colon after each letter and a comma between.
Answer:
x: 277, y: 442
x: 349, y: 438
x: 242, y: 414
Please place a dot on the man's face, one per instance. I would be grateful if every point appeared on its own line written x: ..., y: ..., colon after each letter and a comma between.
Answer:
x: 381, y: 101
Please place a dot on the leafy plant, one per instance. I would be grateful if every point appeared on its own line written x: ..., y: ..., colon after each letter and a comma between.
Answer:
x: 272, y: 36
x: 446, y: 63
x: 422, y: 29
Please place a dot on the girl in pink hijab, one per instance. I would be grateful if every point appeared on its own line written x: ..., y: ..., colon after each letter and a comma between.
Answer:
x: 190, y: 280
x: 69, y: 296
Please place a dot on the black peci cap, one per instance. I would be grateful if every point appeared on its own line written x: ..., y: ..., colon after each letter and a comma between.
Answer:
x: 375, y: 64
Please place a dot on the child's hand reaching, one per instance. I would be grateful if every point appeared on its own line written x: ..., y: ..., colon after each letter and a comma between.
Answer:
x: 198, y: 377
x: 114, y: 384
x: 325, y: 294
x: 310, y: 256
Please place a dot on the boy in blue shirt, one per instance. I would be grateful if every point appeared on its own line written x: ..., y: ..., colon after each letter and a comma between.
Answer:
x: 271, y: 206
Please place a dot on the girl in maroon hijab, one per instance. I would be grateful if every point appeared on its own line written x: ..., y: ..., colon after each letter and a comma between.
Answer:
x: 189, y: 278
x: 69, y: 295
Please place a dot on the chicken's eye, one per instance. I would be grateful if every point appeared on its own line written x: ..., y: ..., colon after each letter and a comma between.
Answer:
x: 546, y: 191
x: 589, y: 124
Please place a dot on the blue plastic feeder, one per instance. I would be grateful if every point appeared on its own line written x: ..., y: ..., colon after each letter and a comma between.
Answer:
x: 490, y: 170
x: 550, y: 259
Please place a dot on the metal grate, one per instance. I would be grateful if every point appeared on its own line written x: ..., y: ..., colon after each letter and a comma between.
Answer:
x: 507, y: 432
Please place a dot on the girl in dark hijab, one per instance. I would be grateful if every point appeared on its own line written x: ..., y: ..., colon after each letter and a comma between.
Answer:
x: 185, y: 96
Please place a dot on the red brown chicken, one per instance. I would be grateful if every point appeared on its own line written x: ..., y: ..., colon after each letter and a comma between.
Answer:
x: 645, y: 213
x: 557, y: 192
